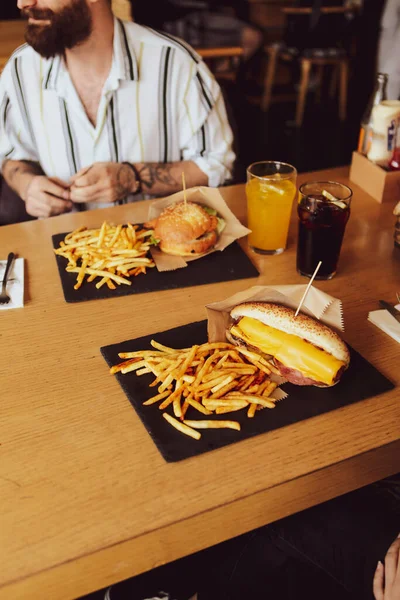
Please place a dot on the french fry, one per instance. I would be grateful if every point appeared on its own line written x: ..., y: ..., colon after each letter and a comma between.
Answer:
x: 221, y: 361
x: 224, y: 382
x: 205, y: 368
x: 252, y: 399
x: 120, y: 366
x: 156, y: 398
x: 198, y: 406
x: 97, y: 253
x: 162, y: 348
x: 252, y: 410
x: 101, y: 273
x: 224, y: 390
x: 213, y: 424
x: 269, y: 388
x: 177, y: 406
x: 228, y: 409
x: 169, y: 379
x: 133, y: 367
x: 110, y: 284
x: 212, y: 383
x: 214, y: 404
x: 138, y: 353
x: 143, y: 371
x: 211, y: 378
x: 81, y: 272
x: 185, y: 406
x: 179, y: 388
x: 247, y: 382
x: 190, y: 357
x: 182, y: 427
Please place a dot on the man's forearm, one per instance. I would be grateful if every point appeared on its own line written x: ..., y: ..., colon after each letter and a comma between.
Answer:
x: 166, y: 178
x: 18, y: 174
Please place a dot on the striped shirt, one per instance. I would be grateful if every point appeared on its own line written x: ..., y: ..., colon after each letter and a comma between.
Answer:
x: 160, y: 103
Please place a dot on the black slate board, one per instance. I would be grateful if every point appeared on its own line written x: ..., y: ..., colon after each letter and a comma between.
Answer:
x: 230, y: 264
x: 359, y: 382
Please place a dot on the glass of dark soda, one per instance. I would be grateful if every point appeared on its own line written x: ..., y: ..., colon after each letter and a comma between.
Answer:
x: 323, y: 209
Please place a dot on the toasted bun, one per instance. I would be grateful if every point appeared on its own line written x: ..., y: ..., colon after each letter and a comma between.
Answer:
x: 185, y: 229
x: 282, y: 318
x: 190, y: 248
x: 183, y: 223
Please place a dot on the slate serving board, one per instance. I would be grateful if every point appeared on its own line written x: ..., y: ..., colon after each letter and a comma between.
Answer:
x: 359, y: 382
x: 230, y: 264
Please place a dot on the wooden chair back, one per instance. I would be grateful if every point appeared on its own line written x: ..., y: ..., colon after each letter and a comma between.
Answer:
x: 331, y: 27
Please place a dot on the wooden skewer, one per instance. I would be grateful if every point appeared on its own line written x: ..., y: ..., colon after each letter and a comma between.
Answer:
x: 308, y: 287
x: 184, y: 189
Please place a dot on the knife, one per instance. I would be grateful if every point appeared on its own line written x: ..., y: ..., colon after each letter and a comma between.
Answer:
x: 393, y: 311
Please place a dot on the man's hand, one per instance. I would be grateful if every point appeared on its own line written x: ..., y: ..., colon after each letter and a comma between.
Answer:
x: 45, y: 197
x: 387, y: 578
x: 103, y: 182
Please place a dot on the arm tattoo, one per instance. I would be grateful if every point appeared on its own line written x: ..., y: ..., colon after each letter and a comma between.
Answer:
x: 125, y: 182
x: 153, y: 173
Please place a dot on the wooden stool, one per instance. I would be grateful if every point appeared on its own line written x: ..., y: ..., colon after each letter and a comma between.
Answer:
x: 340, y: 64
x: 212, y: 56
x: 309, y: 59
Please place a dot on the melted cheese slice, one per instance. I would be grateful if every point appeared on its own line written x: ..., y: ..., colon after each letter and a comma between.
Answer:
x: 291, y: 350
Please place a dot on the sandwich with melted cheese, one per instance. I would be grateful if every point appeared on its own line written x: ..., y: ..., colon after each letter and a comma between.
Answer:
x: 187, y: 229
x: 305, y: 351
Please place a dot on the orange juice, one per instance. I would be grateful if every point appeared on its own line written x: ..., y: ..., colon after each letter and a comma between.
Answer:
x: 269, y: 206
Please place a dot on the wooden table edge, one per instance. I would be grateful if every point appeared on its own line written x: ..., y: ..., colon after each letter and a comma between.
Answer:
x: 125, y: 559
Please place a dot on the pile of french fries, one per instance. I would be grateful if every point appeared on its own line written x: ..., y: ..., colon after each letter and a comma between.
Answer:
x: 112, y: 253
x: 213, y: 378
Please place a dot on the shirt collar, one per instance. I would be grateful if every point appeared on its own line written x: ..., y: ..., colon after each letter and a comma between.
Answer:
x: 124, y: 55
x: 124, y: 65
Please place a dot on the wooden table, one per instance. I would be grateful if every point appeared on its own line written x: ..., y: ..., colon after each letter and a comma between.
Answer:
x: 86, y: 499
x: 11, y: 36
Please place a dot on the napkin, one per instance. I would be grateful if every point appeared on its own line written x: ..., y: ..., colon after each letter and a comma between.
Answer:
x: 386, y: 322
x: 15, y: 285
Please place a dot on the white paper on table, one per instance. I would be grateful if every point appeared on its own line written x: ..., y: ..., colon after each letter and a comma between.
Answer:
x: 15, y: 284
x: 386, y: 322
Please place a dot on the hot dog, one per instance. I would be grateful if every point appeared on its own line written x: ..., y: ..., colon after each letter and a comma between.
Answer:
x: 304, y: 350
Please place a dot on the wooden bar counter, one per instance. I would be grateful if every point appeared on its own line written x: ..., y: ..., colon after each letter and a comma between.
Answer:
x: 86, y: 498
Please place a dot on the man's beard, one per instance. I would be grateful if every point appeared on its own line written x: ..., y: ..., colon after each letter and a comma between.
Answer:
x: 69, y: 27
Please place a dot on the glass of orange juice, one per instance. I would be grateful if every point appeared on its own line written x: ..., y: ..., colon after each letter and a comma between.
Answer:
x: 270, y: 190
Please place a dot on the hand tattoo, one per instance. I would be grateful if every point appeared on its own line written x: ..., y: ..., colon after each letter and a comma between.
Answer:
x: 125, y: 182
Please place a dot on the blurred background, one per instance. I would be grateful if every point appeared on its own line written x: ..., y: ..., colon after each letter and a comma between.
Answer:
x: 297, y: 76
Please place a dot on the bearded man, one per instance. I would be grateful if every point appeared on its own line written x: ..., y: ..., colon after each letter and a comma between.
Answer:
x: 95, y: 111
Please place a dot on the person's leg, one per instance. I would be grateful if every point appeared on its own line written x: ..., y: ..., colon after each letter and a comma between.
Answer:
x: 12, y: 208
x: 344, y: 537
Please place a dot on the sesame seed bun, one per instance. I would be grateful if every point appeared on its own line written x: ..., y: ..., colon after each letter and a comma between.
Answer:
x: 186, y: 229
x: 282, y: 318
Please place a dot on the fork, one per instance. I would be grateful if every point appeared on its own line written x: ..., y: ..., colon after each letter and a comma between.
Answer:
x: 4, y: 297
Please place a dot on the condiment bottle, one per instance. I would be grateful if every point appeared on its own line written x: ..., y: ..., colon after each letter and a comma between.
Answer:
x: 384, y: 119
x: 394, y: 164
x: 378, y: 95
